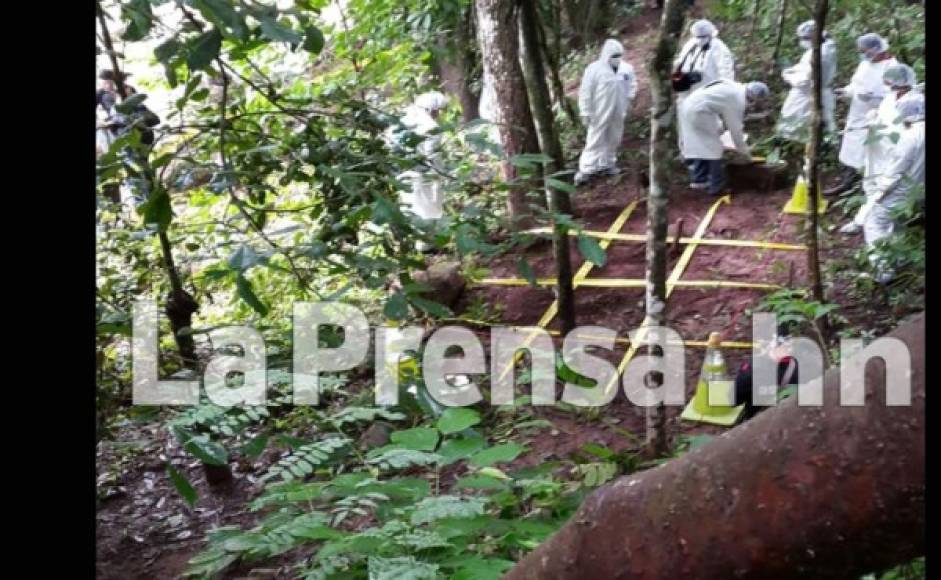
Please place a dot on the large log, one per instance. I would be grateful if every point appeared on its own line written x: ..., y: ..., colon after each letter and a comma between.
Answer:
x: 820, y: 492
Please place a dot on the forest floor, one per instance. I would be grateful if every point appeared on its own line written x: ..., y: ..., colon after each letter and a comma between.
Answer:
x: 145, y: 529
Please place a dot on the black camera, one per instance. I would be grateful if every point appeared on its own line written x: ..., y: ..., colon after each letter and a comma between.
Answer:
x: 683, y: 81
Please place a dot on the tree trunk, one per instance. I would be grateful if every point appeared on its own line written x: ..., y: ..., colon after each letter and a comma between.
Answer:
x: 454, y: 64
x: 754, y: 19
x: 782, y: 17
x: 662, y: 114
x: 559, y: 202
x: 824, y: 492
x: 574, y: 14
x: 498, y: 35
x: 816, y: 141
x: 552, y: 62
x: 180, y: 304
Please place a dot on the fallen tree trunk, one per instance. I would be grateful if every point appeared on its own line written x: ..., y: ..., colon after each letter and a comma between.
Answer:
x: 822, y: 492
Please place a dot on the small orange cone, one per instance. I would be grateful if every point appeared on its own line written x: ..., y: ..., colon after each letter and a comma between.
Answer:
x: 798, y: 204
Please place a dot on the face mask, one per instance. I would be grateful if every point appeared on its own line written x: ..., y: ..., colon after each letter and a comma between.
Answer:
x: 615, y: 61
x: 806, y: 44
x: 702, y: 41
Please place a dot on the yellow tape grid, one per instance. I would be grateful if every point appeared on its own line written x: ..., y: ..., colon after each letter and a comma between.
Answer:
x: 577, y: 280
x: 629, y: 283
x: 702, y: 242
x: 672, y: 282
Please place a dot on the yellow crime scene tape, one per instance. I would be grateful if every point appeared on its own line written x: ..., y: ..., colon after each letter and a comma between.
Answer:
x: 702, y: 242
x: 577, y: 280
x: 630, y: 283
x: 671, y: 283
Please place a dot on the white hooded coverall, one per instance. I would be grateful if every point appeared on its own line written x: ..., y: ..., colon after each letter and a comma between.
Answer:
x: 904, y: 172
x: 866, y: 89
x: 605, y: 97
x: 425, y: 199
x: 795, y: 113
x: 882, y: 124
x: 714, y: 63
x: 701, y: 115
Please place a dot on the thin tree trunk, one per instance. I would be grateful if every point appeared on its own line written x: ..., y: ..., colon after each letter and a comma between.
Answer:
x: 661, y: 117
x: 559, y: 202
x: 816, y: 141
x: 454, y: 63
x: 555, y: 78
x: 782, y: 17
x: 754, y: 19
x: 180, y: 304
x: 574, y: 12
x: 498, y: 35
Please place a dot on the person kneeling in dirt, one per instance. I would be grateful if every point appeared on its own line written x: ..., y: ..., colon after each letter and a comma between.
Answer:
x: 604, y: 98
x: 787, y: 376
x: 701, y: 118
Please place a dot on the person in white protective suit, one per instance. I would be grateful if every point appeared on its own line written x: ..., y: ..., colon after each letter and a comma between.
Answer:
x: 604, y: 97
x: 701, y: 118
x: 424, y: 198
x: 865, y: 91
x: 794, y: 123
x: 904, y: 173
x: 703, y: 59
x: 883, y: 127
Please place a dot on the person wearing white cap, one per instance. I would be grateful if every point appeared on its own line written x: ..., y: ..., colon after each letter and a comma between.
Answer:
x: 865, y: 92
x: 604, y: 97
x: 904, y: 173
x: 795, y: 113
x: 701, y: 116
x: 883, y: 126
x: 703, y: 59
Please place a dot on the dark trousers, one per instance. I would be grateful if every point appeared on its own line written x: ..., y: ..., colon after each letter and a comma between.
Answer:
x: 707, y: 171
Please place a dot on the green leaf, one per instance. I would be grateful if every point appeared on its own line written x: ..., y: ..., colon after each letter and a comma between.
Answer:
x: 530, y: 159
x: 167, y: 50
x: 209, y: 452
x: 223, y: 15
x: 156, y: 210
x: 139, y: 17
x: 419, y: 438
x: 204, y: 49
x: 498, y: 454
x: 401, y: 568
x: 182, y: 485
x: 526, y: 271
x: 313, y: 40
x: 396, y: 307
x: 255, y: 447
x: 456, y: 419
x: 278, y: 32
x: 432, y: 308
x: 243, y: 258
x: 561, y: 185
x: 454, y: 450
x: 478, y: 481
x: 128, y: 105
x: 481, y: 569
x: 446, y: 506
x: 248, y: 295
x: 590, y: 249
